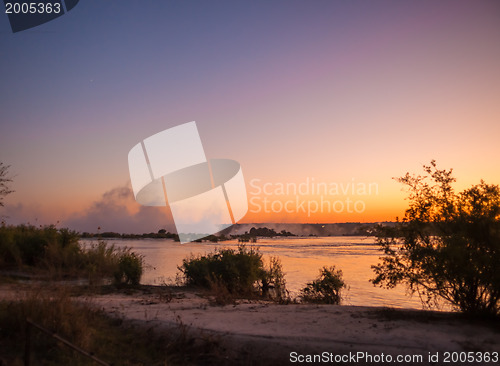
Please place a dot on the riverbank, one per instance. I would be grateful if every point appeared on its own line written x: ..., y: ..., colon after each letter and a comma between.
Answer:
x: 260, y: 332
x: 276, y: 331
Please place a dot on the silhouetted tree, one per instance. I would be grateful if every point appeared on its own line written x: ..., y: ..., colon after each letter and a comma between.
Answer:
x: 4, y: 182
x: 448, y: 244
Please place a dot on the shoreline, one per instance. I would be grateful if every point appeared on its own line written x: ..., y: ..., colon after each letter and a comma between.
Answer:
x: 258, y: 332
x: 273, y: 330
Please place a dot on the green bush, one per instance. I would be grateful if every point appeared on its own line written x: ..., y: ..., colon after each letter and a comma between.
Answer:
x: 241, y: 271
x: 130, y: 268
x: 59, y: 254
x: 62, y: 255
x: 101, y: 261
x: 10, y: 254
x: 273, y: 281
x: 30, y: 245
x: 326, y: 289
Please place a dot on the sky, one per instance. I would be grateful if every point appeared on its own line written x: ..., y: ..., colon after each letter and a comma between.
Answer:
x: 342, y: 94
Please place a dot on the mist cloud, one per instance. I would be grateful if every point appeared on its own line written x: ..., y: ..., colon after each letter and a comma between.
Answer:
x: 112, y: 213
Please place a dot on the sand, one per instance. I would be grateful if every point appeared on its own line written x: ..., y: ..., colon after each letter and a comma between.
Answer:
x: 264, y: 333
x: 334, y: 333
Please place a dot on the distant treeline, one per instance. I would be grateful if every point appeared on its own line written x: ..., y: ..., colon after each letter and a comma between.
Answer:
x: 161, y: 234
x: 286, y: 229
x: 343, y: 229
x: 268, y: 233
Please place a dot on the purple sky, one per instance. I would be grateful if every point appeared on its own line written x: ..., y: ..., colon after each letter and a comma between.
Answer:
x: 333, y: 90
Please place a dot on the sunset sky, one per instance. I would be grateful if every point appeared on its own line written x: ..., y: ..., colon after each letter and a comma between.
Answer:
x: 335, y: 92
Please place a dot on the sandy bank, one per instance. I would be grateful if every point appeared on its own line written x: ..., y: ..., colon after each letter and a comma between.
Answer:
x: 273, y: 331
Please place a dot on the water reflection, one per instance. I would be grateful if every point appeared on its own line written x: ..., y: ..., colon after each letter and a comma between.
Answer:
x: 301, y: 258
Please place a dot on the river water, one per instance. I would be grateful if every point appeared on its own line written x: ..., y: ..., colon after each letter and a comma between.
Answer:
x: 301, y: 257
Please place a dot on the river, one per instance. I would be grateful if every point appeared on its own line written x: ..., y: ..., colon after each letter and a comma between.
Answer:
x: 301, y: 257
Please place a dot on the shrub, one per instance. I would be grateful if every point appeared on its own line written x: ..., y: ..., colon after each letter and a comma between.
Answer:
x: 130, y: 268
x: 30, y: 245
x: 59, y: 254
x: 10, y: 254
x: 62, y: 254
x: 326, y: 289
x: 448, y: 244
x: 237, y: 270
x: 240, y: 271
x: 273, y: 281
x: 221, y: 295
x: 101, y: 261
